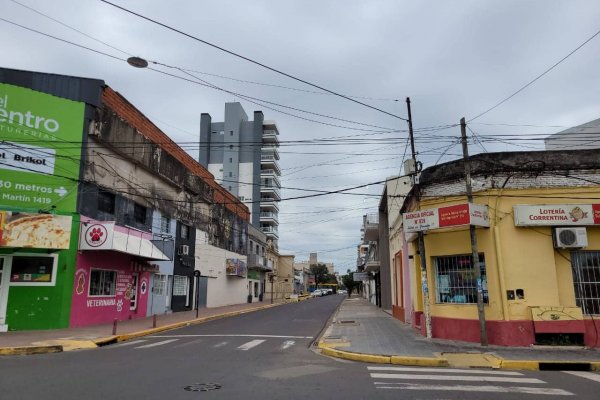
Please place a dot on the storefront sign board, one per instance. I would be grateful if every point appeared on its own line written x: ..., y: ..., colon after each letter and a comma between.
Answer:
x: 235, y: 267
x: 40, y: 152
x: 557, y: 214
x: 359, y: 276
x: 444, y: 217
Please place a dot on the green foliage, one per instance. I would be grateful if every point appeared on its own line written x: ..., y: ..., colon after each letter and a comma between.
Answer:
x: 320, y: 272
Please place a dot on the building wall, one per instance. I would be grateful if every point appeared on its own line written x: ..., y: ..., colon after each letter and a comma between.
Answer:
x: 222, y: 290
x: 516, y: 258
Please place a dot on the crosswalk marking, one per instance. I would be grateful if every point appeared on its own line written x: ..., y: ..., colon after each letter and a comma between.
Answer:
x: 157, y: 344
x: 250, y: 344
x: 235, y: 335
x: 287, y: 344
x: 587, y: 375
x: 445, y: 370
x: 466, y: 388
x: 466, y: 378
x: 220, y: 344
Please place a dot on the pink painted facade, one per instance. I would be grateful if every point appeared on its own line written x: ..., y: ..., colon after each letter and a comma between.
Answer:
x: 126, y: 297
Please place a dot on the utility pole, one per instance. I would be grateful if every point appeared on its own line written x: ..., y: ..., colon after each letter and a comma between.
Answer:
x: 420, y: 238
x: 475, y: 253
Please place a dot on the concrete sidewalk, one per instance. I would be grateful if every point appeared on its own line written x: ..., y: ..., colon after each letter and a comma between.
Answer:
x: 48, y: 341
x: 362, y: 332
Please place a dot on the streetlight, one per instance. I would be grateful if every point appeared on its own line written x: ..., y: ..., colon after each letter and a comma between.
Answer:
x: 137, y: 62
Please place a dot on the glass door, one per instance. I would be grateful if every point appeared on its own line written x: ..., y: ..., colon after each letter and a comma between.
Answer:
x: 134, y: 292
x: 4, y: 277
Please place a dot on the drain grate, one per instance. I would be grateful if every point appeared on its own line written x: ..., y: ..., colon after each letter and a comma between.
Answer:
x: 346, y: 321
x: 202, y: 387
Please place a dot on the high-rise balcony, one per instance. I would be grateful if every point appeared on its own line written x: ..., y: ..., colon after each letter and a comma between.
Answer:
x: 270, y: 174
x: 268, y: 161
x: 270, y: 150
x: 271, y: 191
x: 269, y: 217
x: 270, y: 231
x: 269, y: 203
x: 270, y: 136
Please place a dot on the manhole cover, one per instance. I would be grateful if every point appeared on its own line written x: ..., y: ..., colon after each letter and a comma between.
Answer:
x: 202, y: 387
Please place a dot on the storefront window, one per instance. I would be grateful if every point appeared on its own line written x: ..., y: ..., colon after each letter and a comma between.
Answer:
x: 102, y: 282
x: 586, y: 279
x: 33, y: 270
x: 160, y: 284
x: 180, y: 286
x: 455, y: 279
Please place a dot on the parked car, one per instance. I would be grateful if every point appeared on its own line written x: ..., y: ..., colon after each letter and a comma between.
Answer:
x: 327, y: 292
x: 316, y: 293
x: 342, y: 291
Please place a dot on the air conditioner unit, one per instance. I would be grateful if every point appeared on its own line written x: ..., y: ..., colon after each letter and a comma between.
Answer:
x: 570, y: 238
x: 183, y: 250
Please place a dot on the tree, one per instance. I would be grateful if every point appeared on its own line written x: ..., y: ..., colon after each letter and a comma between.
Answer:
x: 320, y: 272
x: 349, y: 283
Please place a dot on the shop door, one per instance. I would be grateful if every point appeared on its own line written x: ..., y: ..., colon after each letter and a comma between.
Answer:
x: 134, y: 292
x: 202, y: 291
x: 4, y: 275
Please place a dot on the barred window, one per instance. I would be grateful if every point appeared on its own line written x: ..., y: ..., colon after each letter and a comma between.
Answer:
x: 180, y: 285
x: 165, y: 224
x: 586, y: 279
x: 455, y: 279
x: 160, y: 284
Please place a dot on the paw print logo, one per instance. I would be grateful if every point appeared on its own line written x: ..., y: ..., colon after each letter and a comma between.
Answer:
x: 96, y: 235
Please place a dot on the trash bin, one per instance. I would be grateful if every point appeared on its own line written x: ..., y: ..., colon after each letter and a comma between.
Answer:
x: 249, y: 298
x: 260, y: 297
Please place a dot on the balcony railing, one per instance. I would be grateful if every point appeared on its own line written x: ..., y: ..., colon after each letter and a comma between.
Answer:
x: 271, y: 190
x: 258, y: 262
x: 371, y: 227
x: 269, y: 215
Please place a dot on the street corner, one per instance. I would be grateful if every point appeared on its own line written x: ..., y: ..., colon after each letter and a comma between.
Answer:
x: 67, y: 344
x: 30, y: 350
x: 331, y: 342
x: 550, y: 365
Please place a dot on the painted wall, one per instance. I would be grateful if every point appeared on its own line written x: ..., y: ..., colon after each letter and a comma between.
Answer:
x: 516, y: 258
x: 47, y: 307
x: 90, y: 310
x: 222, y: 290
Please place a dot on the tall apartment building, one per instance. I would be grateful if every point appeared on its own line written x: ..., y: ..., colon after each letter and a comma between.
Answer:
x: 243, y: 156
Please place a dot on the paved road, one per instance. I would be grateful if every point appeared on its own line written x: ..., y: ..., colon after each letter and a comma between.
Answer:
x: 262, y: 355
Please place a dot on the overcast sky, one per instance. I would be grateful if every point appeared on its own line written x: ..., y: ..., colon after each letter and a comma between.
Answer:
x: 452, y: 58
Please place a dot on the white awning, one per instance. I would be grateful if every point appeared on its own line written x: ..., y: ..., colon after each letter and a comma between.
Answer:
x: 96, y: 235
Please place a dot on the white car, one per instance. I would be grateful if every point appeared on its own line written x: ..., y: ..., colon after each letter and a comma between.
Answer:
x: 316, y: 293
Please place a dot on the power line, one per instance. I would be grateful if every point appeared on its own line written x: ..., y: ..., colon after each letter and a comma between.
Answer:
x: 534, y: 79
x: 248, y: 59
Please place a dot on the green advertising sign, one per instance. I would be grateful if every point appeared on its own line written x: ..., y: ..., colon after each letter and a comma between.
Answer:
x: 40, y: 149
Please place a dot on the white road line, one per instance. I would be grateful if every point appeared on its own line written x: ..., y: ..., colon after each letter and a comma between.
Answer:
x: 236, y: 335
x: 490, y: 389
x: 128, y: 343
x: 220, y: 344
x: 156, y: 344
x: 287, y: 344
x: 465, y: 378
x: 587, y: 375
x: 445, y: 370
x: 250, y: 344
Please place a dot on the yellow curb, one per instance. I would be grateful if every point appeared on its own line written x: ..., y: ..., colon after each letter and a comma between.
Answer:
x: 105, y: 340
x: 68, y: 344
x: 529, y: 365
x: 27, y: 350
x: 595, y: 366
x: 347, y: 355
x: 331, y: 345
x: 419, y: 361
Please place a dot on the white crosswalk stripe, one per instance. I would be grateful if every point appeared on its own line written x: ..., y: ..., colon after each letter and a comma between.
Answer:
x: 587, y: 375
x: 129, y: 343
x: 146, y: 346
x: 459, y: 380
x: 251, y: 344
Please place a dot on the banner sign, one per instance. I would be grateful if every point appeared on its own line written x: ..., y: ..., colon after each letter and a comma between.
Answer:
x: 40, y: 151
x: 557, y: 214
x: 235, y: 267
x: 38, y: 231
x: 445, y: 217
x: 359, y: 276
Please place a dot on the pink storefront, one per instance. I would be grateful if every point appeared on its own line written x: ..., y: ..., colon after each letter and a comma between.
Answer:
x: 112, y: 273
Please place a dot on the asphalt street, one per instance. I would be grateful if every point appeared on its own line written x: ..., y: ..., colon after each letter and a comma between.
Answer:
x: 262, y: 355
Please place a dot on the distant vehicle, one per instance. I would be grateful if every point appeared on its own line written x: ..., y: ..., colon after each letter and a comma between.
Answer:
x: 342, y: 291
x: 316, y: 293
x: 327, y: 292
